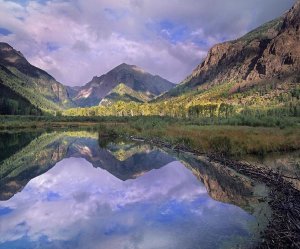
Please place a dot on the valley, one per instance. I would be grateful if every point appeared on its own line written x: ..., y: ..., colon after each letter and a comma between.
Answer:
x: 141, y: 155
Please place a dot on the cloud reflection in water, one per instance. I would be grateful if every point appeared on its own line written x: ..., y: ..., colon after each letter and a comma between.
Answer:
x: 75, y: 205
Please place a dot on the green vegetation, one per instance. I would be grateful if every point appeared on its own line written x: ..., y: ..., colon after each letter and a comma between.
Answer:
x: 269, y: 104
x: 125, y: 94
x: 12, y: 103
x: 227, y: 140
x: 26, y: 88
x: 205, y: 120
x: 263, y: 31
x: 8, y: 122
x: 212, y: 138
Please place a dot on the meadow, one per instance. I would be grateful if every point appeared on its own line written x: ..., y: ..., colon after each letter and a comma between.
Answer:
x: 204, y: 136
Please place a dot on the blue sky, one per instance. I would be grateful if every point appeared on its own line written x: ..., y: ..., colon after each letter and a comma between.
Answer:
x: 76, y: 40
x: 4, y: 31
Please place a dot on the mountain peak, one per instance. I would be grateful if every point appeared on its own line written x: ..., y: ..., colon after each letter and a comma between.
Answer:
x: 122, y: 67
x: 130, y: 76
x: 129, y: 68
x: 125, y: 65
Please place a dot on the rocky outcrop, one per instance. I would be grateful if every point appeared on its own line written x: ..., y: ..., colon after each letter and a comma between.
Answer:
x: 281, y: 58
x: 269, y: 52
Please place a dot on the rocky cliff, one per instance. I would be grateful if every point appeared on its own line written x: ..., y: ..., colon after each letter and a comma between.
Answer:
x: 270, y: 52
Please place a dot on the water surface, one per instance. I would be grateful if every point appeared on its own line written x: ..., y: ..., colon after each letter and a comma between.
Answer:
x: 63, y: 190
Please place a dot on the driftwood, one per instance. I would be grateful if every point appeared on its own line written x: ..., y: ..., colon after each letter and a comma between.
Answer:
x: 283, y: 230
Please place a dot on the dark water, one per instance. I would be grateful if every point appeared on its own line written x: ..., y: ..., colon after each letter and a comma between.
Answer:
x: 62, y: 190
x: 10, y: 143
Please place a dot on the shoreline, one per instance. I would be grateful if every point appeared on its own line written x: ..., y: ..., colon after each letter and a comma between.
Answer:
x: 283, y: 230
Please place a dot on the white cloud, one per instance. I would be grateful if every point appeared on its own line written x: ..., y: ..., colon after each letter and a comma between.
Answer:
x: 92, y: 36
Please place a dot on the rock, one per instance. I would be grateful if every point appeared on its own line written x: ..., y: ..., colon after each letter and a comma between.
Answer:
x: 269, y: 52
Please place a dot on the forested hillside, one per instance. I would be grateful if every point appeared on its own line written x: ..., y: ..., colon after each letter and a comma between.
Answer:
x: 30, y: 82
x: 12, y: 103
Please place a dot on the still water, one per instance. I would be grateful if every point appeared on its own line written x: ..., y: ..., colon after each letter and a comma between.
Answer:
x: 63, y: 190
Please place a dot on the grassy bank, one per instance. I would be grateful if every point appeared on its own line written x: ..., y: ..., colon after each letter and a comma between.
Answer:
x: 15, y: 121
x: 205, y: 138
x: 44, y: 122
x: 222, y: 139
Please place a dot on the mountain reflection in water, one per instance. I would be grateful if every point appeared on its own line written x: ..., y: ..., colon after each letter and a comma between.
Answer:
x: 75, y: 194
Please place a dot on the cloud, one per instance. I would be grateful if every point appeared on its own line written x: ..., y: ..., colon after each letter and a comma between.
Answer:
x: 75, y: 40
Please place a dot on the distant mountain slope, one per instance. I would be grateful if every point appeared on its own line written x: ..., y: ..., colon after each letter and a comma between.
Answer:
x: 270, y: 52
x: 32, y: 83
x: 130, y: 76
x: 124, y: 93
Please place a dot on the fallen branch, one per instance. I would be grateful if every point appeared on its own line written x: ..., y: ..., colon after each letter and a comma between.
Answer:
x: 283, y: 230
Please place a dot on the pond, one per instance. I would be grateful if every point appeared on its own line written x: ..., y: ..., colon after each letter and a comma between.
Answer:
x: 63, y: 190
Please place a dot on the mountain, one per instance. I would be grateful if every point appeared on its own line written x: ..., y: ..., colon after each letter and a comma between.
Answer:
x: 267, y: 54
x: 30, y: 82
x: 255, y: 76
x: 34, y: 91
x: 136, y: 84
x: 124, y: 93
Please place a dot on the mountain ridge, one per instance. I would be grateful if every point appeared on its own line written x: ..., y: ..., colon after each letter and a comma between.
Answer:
x: 267, y: 57
x: 30, y: 82
x: 269, y: 52
x: 48, y: 95
x: 132, y: 76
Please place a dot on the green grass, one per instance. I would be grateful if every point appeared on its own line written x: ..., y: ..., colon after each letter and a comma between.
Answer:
x: 222, y: 139
x: 206, y: 135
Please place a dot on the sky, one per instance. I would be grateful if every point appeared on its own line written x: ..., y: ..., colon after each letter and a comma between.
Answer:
x: 76, y: 40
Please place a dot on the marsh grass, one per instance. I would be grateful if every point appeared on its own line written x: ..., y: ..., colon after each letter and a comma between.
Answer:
x: 236, y: 140
x: 204, y: 136
x: 222, y: 139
